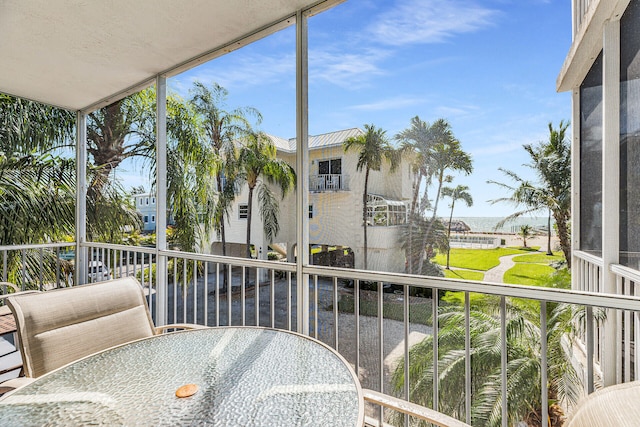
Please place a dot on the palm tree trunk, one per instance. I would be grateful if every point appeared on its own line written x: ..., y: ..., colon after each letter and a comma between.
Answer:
x: 563, y: 235
x: 549, y: 234
x: 364, y: 214
x: 430, y: 225
x: 412, y: 212
x: 222, y: 228
x: 225, y: 279
x: 453, y: 202
x: 250, y: 204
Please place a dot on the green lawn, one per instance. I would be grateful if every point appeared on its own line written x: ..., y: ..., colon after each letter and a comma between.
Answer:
x: 463, y: 274
x: 528, y: 274
x: 477, y: 259
x: 540, y: 258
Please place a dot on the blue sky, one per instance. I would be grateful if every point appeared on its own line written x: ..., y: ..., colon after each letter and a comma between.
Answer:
x: 487, y: 66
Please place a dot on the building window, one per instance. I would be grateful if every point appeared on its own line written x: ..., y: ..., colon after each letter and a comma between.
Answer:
x: 146, y: 219
x: 147, y: 200
x: 591, y: 159
x: 153, y: 200
x: 330, y: 167
x: 243, y: 211
x: 310, y: 211
x: 153, y: 218
x: 140, y: 201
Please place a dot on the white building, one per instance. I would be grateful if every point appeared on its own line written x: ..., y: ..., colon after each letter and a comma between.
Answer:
x: 146, y: 207
x: 335, y: 207
x: 602, y: 70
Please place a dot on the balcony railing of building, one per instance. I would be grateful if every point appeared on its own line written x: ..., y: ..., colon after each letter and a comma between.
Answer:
x: 328, y: 182
x: 580, y: 8
x: 373, y: 329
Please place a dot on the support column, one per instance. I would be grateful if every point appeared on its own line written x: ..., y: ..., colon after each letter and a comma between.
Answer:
x: 302, y: 168
x: 81, y: 199
x: 161, y: 199
x: 610, y: 186
x: 575, y: 187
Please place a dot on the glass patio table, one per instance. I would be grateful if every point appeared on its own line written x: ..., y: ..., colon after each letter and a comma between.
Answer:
x: 246, y: 376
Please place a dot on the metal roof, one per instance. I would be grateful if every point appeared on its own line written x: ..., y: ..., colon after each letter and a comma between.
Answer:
x: 82, y: 55
x: 317, y: 141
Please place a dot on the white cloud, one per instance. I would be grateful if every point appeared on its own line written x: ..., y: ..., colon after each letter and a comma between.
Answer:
x: 346, y: 69
x: 244, y: 70
x: 430, y: 21
x: 388, y: 104
x: 448, y: 111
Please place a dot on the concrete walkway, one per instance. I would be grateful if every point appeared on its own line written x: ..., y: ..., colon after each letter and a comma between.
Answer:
x: 496, y: 273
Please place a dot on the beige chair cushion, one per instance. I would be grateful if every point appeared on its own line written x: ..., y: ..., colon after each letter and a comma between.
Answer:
x: 60, y: 326
x: 613, y: 406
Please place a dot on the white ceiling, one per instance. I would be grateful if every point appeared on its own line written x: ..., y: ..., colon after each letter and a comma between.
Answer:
x: 83, y: 54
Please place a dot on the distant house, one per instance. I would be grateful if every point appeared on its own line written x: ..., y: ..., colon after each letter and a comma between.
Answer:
x: 146, y: 207
x: 335, y: 208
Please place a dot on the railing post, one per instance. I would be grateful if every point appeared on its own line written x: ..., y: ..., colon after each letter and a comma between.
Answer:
x: 302, y: 167
x: 161, y: 201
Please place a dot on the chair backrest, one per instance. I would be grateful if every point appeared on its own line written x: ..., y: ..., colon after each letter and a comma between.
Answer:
x: 60, y: 326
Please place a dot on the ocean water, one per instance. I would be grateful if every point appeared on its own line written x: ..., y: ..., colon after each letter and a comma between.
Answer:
x: 481, y: 224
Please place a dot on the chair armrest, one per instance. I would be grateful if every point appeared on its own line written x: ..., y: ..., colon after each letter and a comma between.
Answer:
x: 16, y: 290
x: 164, y: 328
x: 10, y: 285
x: 412, y: 409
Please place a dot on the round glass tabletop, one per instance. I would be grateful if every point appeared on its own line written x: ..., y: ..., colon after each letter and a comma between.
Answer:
x: 244, y: 376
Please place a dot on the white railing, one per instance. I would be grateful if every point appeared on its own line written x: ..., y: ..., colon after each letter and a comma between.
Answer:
x: 580, y: 8
x: 375, y: 329
x: 38, y: 266
x: 587, y: 269
x: 328, y: 182
x: 628, y: 326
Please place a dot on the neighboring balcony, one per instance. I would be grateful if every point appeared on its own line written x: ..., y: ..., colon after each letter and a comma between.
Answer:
x: 580, y: 8
x: 328, y: 182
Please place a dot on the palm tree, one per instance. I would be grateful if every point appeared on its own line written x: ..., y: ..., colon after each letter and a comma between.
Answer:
x: 447, y: 155
x: 109, y: 129
x: 551, y: 161
x: 37, y: 191
x: 418, y: 140
x: 525, y: 232
x: 534, y: 199
x: 523, y: 334
x: 458, y: 193
x: 37, y: 198
x: 257, y: 159
x: 435, y: 151
x: 37, y: 204
x: 222, y: 128
x: 28, y: 126
x: 373, y: 147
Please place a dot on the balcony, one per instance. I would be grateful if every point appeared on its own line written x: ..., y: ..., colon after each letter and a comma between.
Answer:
x: 580, y: 8
x: 328, y: 182
x: 415, y: 330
